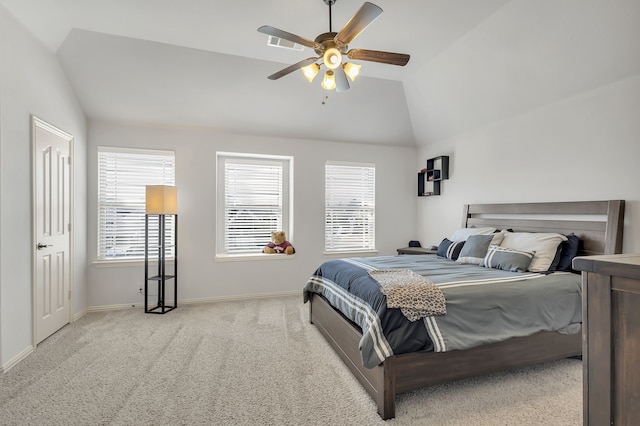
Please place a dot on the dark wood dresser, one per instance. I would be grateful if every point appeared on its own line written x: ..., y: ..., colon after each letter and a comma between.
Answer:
x: 611, y: 338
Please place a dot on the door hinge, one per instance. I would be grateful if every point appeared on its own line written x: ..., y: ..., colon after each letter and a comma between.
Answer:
x: 69, y: 227
x: 69, y: 295
x: 69, y: 160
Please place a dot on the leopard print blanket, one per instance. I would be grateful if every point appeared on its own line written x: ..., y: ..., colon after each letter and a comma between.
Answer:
x: 416, y: 296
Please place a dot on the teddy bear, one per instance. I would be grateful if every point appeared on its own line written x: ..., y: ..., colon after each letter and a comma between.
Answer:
x: 279, y: 244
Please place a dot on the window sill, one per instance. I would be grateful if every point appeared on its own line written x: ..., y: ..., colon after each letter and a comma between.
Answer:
x: 123, y: 263
x: 252, y: 256
x: 362, y: 253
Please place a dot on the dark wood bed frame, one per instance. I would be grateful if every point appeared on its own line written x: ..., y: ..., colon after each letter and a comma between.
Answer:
x: 599, y: 225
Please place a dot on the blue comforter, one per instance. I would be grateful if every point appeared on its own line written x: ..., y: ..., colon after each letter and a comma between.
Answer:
x: 484, y: 305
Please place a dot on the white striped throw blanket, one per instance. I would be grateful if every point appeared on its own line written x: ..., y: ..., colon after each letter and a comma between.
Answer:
x: 416, y: 296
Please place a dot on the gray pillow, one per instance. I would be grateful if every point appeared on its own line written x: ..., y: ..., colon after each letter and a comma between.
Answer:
x: 475, y: 248
x: 507, y: 259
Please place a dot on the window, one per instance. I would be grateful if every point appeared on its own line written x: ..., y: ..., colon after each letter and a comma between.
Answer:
x: 350, y: 207
x: 123, y: 175
x: 254, y: 193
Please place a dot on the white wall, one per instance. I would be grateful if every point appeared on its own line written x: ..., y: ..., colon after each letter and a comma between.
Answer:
x: 538, y: 103
x: 583, y: 148
x: 200, y: 277
x: 31, y: 83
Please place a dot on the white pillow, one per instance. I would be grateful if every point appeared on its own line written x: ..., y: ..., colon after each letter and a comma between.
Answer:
x: 497, y: 237
x: 543, y: 244
x: 463, y: 233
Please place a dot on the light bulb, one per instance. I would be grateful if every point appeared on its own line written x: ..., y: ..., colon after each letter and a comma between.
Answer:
x: 332, y: 58
x: 329, y: 81
x: 310, y: 71
x: 352, y: 70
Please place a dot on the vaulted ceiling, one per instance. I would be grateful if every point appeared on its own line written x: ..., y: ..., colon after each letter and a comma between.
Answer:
x: 203, y: 63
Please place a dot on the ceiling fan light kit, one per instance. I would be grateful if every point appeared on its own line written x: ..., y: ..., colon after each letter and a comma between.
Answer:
x: 352, y: 70
x: 332, y: 58
x: 331, y: 47
x: 329, y: 81
x: 310, y: 71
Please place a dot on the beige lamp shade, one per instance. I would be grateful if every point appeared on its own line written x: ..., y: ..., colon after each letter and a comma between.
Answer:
x: 161, y: 199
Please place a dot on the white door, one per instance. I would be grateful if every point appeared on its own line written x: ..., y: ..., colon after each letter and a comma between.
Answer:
x: 52, y: 245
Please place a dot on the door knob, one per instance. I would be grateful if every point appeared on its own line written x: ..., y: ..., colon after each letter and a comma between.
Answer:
x: 41, y: 246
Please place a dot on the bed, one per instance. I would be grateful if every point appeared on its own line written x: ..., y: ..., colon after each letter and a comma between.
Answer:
x: 405, y: 367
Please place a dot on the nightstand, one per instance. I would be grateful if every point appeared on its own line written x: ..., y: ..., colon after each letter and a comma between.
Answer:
x: 415, y: 250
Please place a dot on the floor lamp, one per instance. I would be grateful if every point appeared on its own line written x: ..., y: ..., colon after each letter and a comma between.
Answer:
x: 161, y: 201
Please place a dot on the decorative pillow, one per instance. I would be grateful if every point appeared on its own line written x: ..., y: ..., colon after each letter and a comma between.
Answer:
x: 507, y: 259
x: 463, y: 233
x: 450, y: 249
x: 569, y: 251
x: 498, y: 236
x: 474, y: 249
x: 543, y: 244
x: 556, y: 259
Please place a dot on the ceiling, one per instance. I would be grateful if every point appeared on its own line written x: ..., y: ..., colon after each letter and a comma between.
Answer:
x: 202, y: 63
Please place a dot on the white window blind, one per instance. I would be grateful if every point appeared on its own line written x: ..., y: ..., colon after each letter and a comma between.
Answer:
x: 122, y: 177
x: 350, y: 207
x: 255, y: 201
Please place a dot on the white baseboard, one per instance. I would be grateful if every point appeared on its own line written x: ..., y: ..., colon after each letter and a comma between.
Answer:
x: 80, y: 314
x: 241, y: 297
x: 199, y: 300
x: 16, y: 359
x: 114, y: 307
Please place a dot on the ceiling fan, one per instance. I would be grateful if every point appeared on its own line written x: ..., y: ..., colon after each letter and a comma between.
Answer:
x: 332, y: 46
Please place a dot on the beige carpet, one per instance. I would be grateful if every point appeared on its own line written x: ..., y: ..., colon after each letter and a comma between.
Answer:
x: 256, y: 362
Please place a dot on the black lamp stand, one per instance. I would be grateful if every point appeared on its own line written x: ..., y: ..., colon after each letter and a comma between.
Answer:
x: 161, y: 278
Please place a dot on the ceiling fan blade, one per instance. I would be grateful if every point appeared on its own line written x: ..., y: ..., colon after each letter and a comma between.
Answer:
x: 266, y: 29
x: 367, y: 13
x: 342, y: 84
x: 390, y: 58
x: 292, y: 68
